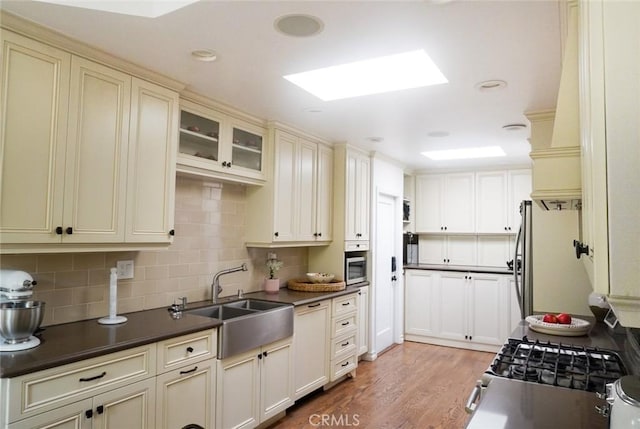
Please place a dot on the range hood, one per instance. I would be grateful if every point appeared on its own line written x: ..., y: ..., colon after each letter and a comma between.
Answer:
x: 555, y: 134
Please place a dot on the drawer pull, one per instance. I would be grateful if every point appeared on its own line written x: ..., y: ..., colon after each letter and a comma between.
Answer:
x: 344, y: 304
x: 345, y: 364
x: 189, y: 371
x: 345, y: 323
x: 189, y: 349
x: 313, y: 305
x: 93, y: 378
x: 345, y: 344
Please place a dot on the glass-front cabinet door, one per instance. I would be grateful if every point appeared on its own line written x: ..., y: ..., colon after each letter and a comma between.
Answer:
x: 247, y: 151
x: 216, y: 145
x: 199, y: 136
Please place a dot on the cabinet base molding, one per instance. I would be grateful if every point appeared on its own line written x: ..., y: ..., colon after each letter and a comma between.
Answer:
x: 272, y: 420
x: 350, y: 374
x: 453, y: 343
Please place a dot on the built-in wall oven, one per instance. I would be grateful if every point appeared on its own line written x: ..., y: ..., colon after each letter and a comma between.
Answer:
x: 355, y: 268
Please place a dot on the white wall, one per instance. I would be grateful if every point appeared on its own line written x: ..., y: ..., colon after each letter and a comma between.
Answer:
x: 560, y: 282
x: 387, y: 178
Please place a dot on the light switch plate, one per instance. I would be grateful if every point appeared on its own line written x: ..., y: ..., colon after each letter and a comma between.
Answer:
x: 125, y: 269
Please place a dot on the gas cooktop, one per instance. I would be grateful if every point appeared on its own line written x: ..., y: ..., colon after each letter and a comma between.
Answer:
x: 569, y: 366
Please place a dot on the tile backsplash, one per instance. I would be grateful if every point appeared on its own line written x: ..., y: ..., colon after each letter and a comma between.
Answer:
x: 210, y: 236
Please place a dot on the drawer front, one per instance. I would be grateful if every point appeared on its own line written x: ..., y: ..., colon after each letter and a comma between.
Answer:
x: 344, y: 325
x: 343, y: 366
x: 52, y: 388
x: 345, y: 304
x: 187, y: 349
x: 352, y: 246
x: 343, y: 346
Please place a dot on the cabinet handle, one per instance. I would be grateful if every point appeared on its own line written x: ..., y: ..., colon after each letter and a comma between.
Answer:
x: 445, y: 228
x: 345, y: 364
x: 265, y: 353
x: 189, y: 371
x: 509, y: 228
x: 505, y: 228
x: 319, y: 234
x: 189, y: 349
x: 580, y: 248
x: 172, y: 232
x: 260, y: 356
x: 470, y: 338
x: 88, y: 414
x: 448, y: 260
x: 59, y: 230
x: 466, y: 337
x: 345, y: 344
x: 100, y: 409
x: 313, y: 305
x: 93, y: 378
x: 345, y: 323
x: 315, y: 234
x: 224, y: 163
x: 344, y: 304
x: 69, y: 230
x: 229, y: 164
x: 357, y: 245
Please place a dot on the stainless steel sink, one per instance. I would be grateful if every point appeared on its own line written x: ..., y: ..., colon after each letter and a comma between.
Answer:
x: 248, y: 323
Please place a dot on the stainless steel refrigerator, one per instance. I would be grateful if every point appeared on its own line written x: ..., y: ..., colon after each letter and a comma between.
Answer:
x: 523, y: 261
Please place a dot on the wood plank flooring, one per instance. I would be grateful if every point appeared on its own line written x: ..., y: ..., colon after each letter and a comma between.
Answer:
x: 411, y: 385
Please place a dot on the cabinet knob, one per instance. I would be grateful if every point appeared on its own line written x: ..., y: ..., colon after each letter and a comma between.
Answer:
x: 315, y: 234
x: 265, y: 353
x: 59, y: 230
x: 509, y: 228
x: 580, y: 248
x: 172, y: 232
x: 69, y: 230
x: 260, y: 356
x: 319, y: 234
x: 445, y: 228
x: 88, y: 414
x: 505, y: 228
x: 100, y: 409
x: 276, y: 234
x: 189, y: 349
x: 229, y: 164
x: 224, y: 163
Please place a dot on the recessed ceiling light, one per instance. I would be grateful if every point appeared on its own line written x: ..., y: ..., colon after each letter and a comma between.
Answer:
x: 438, y: 134
x: 312, y: 110
x: 466, y: 153
x: 148, y: 9
x: 373, y: 76
x: 514, y: 127
x: 204, y: 55
x: 491, y: 85
x: 298, y: 25
x: 375, y: 139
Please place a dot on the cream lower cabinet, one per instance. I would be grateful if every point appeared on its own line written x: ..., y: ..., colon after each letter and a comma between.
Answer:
x: 131, y: 407
x: 254, y: 386
x: 344, y: 336
x: 467, y: 310
x: 311, y: 347
x: 363, y: 320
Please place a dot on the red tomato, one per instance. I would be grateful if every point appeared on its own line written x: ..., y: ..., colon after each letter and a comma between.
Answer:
x: 550, y: 318
x: 564, y: 318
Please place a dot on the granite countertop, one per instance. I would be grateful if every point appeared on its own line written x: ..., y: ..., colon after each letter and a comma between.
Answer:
x: 460, y: 268
x: 72, y: 342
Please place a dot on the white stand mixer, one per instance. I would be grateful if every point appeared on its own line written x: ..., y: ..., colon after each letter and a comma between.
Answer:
x: 16, y: 286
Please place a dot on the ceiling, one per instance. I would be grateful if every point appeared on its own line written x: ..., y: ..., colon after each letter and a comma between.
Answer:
x: 518, y: 42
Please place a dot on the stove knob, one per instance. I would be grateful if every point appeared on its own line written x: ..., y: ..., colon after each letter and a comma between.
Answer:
x: 603, y: 410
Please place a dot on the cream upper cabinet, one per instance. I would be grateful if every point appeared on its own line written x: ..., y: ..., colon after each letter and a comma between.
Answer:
x: 358, y: 196
x: 98, y: 146
x: 153, y: 141
x: 445, y: 203
x: 498, y: 194
x: 610, y: 130
x: 219, y: 145
x: 35, y: 99
x: 298, y: 201
x: 97, y: 149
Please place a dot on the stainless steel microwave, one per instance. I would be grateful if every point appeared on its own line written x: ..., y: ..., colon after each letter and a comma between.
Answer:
x: 355, y: 269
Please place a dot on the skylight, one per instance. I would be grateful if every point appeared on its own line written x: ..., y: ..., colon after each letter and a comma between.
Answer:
x: 146, y: 8
x: 467, y: 153
x: 373, y: 76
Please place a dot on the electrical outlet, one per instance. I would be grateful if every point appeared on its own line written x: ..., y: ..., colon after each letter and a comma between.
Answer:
x: 125, y: 269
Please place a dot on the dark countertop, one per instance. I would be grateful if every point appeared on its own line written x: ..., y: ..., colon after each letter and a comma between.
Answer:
x: 76, y: 341
x: 514, y: 404
x: 459, y: 268
x: 72, y: 342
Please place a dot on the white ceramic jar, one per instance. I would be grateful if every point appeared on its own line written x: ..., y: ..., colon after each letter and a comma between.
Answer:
x: 624, y: 397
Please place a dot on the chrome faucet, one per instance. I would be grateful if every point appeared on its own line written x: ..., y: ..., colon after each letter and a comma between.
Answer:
x: 215, y: 285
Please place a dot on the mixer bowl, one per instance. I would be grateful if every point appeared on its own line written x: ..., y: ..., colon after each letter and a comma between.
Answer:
x: 19, y: 320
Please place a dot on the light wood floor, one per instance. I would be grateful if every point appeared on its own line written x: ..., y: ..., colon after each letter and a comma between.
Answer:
x: 411, y: 385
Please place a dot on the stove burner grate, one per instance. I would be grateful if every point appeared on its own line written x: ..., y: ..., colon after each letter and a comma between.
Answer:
x: 583, y: 368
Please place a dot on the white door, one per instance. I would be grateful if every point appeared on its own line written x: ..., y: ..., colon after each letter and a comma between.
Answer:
x: 384, y: 285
